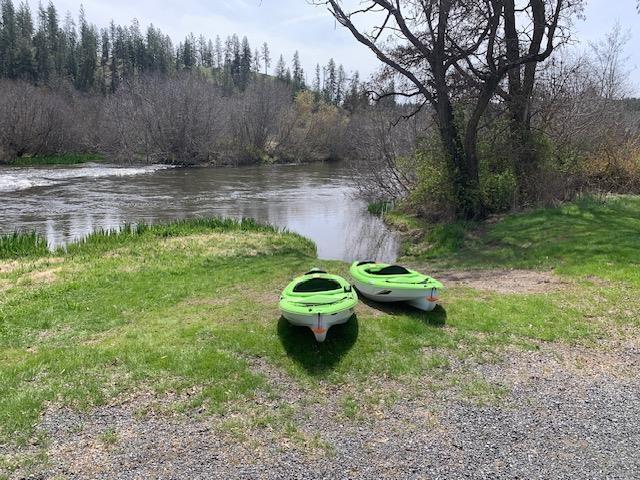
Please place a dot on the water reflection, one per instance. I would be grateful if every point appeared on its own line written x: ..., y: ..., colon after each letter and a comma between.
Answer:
x: 314, y: 200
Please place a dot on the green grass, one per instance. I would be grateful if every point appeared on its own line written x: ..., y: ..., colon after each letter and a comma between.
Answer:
x: 589, y: 237
x: 109, y: 436
x: 20, y: 244
x: 62, y: 159
x: 192, y: 304
x: 380, y: 207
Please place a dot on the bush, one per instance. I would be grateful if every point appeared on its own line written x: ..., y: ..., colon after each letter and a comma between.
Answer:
x: 432, y: 196
x: 498, y: 191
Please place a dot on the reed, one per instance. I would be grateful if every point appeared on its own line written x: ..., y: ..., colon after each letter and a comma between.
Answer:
x: 22, y: 244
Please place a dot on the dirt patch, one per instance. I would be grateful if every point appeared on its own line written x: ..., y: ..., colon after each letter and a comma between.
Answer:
x: 13, y: 265
x: 8, y: 267
x: 616, y: 360
x: 49, y: 275
x: 502, y: 281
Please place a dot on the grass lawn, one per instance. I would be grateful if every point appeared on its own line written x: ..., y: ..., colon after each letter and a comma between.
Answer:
x: 63, y: 159
x: 193, y: 305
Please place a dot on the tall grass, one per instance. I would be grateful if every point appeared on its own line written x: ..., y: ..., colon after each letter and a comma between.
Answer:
x: 30, y: 244
x: 380, y: 207
x: 109, y: 238
x: 22, y: 244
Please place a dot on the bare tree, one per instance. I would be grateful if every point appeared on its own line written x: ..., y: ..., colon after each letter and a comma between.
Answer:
x: 39, y: 121
x: 266, y: 57
x: 176, y: 120
x: 437, y: 45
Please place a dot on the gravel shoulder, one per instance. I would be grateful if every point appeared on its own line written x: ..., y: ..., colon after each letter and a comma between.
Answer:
x: 563, y: 412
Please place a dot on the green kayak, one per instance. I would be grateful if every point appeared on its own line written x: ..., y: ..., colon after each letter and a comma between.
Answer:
x: 318, y: 300
x: 394, y: 283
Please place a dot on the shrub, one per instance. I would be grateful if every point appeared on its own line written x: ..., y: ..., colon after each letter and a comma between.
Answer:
x: 432, y: 196
x: 499, y: 191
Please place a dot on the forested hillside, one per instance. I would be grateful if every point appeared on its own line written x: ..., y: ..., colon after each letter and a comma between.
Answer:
x: 48, y: 49
x: 134, y: 96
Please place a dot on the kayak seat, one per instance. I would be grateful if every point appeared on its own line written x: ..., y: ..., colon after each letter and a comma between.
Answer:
x: 316, y: 285
x: 390, y: 270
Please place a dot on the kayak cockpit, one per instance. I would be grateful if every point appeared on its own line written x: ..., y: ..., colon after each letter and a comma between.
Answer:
x: 318, y: 300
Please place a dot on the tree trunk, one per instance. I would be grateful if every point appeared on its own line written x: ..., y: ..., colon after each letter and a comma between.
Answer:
x: 465, y: 168
x: 520, y: 94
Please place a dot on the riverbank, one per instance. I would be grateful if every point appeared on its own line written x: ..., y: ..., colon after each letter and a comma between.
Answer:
x: 161, y: 352
x: 62, y: 159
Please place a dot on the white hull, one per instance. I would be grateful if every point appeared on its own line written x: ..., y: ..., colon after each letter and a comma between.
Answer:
x: 421, y: 298
x: 318, y: 323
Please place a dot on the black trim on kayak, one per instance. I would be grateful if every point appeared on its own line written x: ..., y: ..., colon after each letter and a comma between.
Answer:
x: 315, y: 270
x: 364, y: 263
x: 390, y: 270
x: 314, y: 285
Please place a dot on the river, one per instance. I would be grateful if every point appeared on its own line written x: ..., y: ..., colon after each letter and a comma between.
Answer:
x: 64, y: 203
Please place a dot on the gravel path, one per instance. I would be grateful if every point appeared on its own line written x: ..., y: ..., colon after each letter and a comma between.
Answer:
x: 568, y: 413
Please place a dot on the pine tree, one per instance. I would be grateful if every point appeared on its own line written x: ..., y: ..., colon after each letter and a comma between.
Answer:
x: 226, y: 75
x: 389, y: 100
x: 71, y: 41
x: 245, y: 64
x: 341, y: 79
x: 218, y: 52
x: 43, y: 60
x: 298, y: 73
x: 235, y: 60
x: 355, y: 97
x: 202, y: 50
x: 137, y: 48
x: 266, y: 58
x: 54, y: 41
x: 8, y: 39
x: 329, y: 90
x: 25, y: 65
x: 87, y: 52
x: 105, y: 46
x: 256, y: 61
x: 207, y: 60
x: 187, y: 56
x: 316, y: 81
x: 115, y: 50
x: 281, y: 69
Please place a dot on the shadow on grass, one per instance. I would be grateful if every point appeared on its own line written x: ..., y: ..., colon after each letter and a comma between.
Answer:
x: 318, y: 358
x: 435, y: 318
x: 585, y: 234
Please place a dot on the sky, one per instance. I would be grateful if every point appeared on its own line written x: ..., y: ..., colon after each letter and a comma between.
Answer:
x: 289, y: 25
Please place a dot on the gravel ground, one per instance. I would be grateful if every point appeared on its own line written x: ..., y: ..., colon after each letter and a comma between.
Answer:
x: 568, y: 412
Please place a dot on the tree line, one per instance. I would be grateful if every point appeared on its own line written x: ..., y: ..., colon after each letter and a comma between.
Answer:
x: 48, y: 49
x: 68, y: 87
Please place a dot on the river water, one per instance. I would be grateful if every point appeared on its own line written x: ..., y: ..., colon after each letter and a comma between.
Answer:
x: 65, y: 203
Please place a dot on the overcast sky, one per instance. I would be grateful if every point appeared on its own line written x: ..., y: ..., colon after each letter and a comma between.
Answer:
x: 289, y: 25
